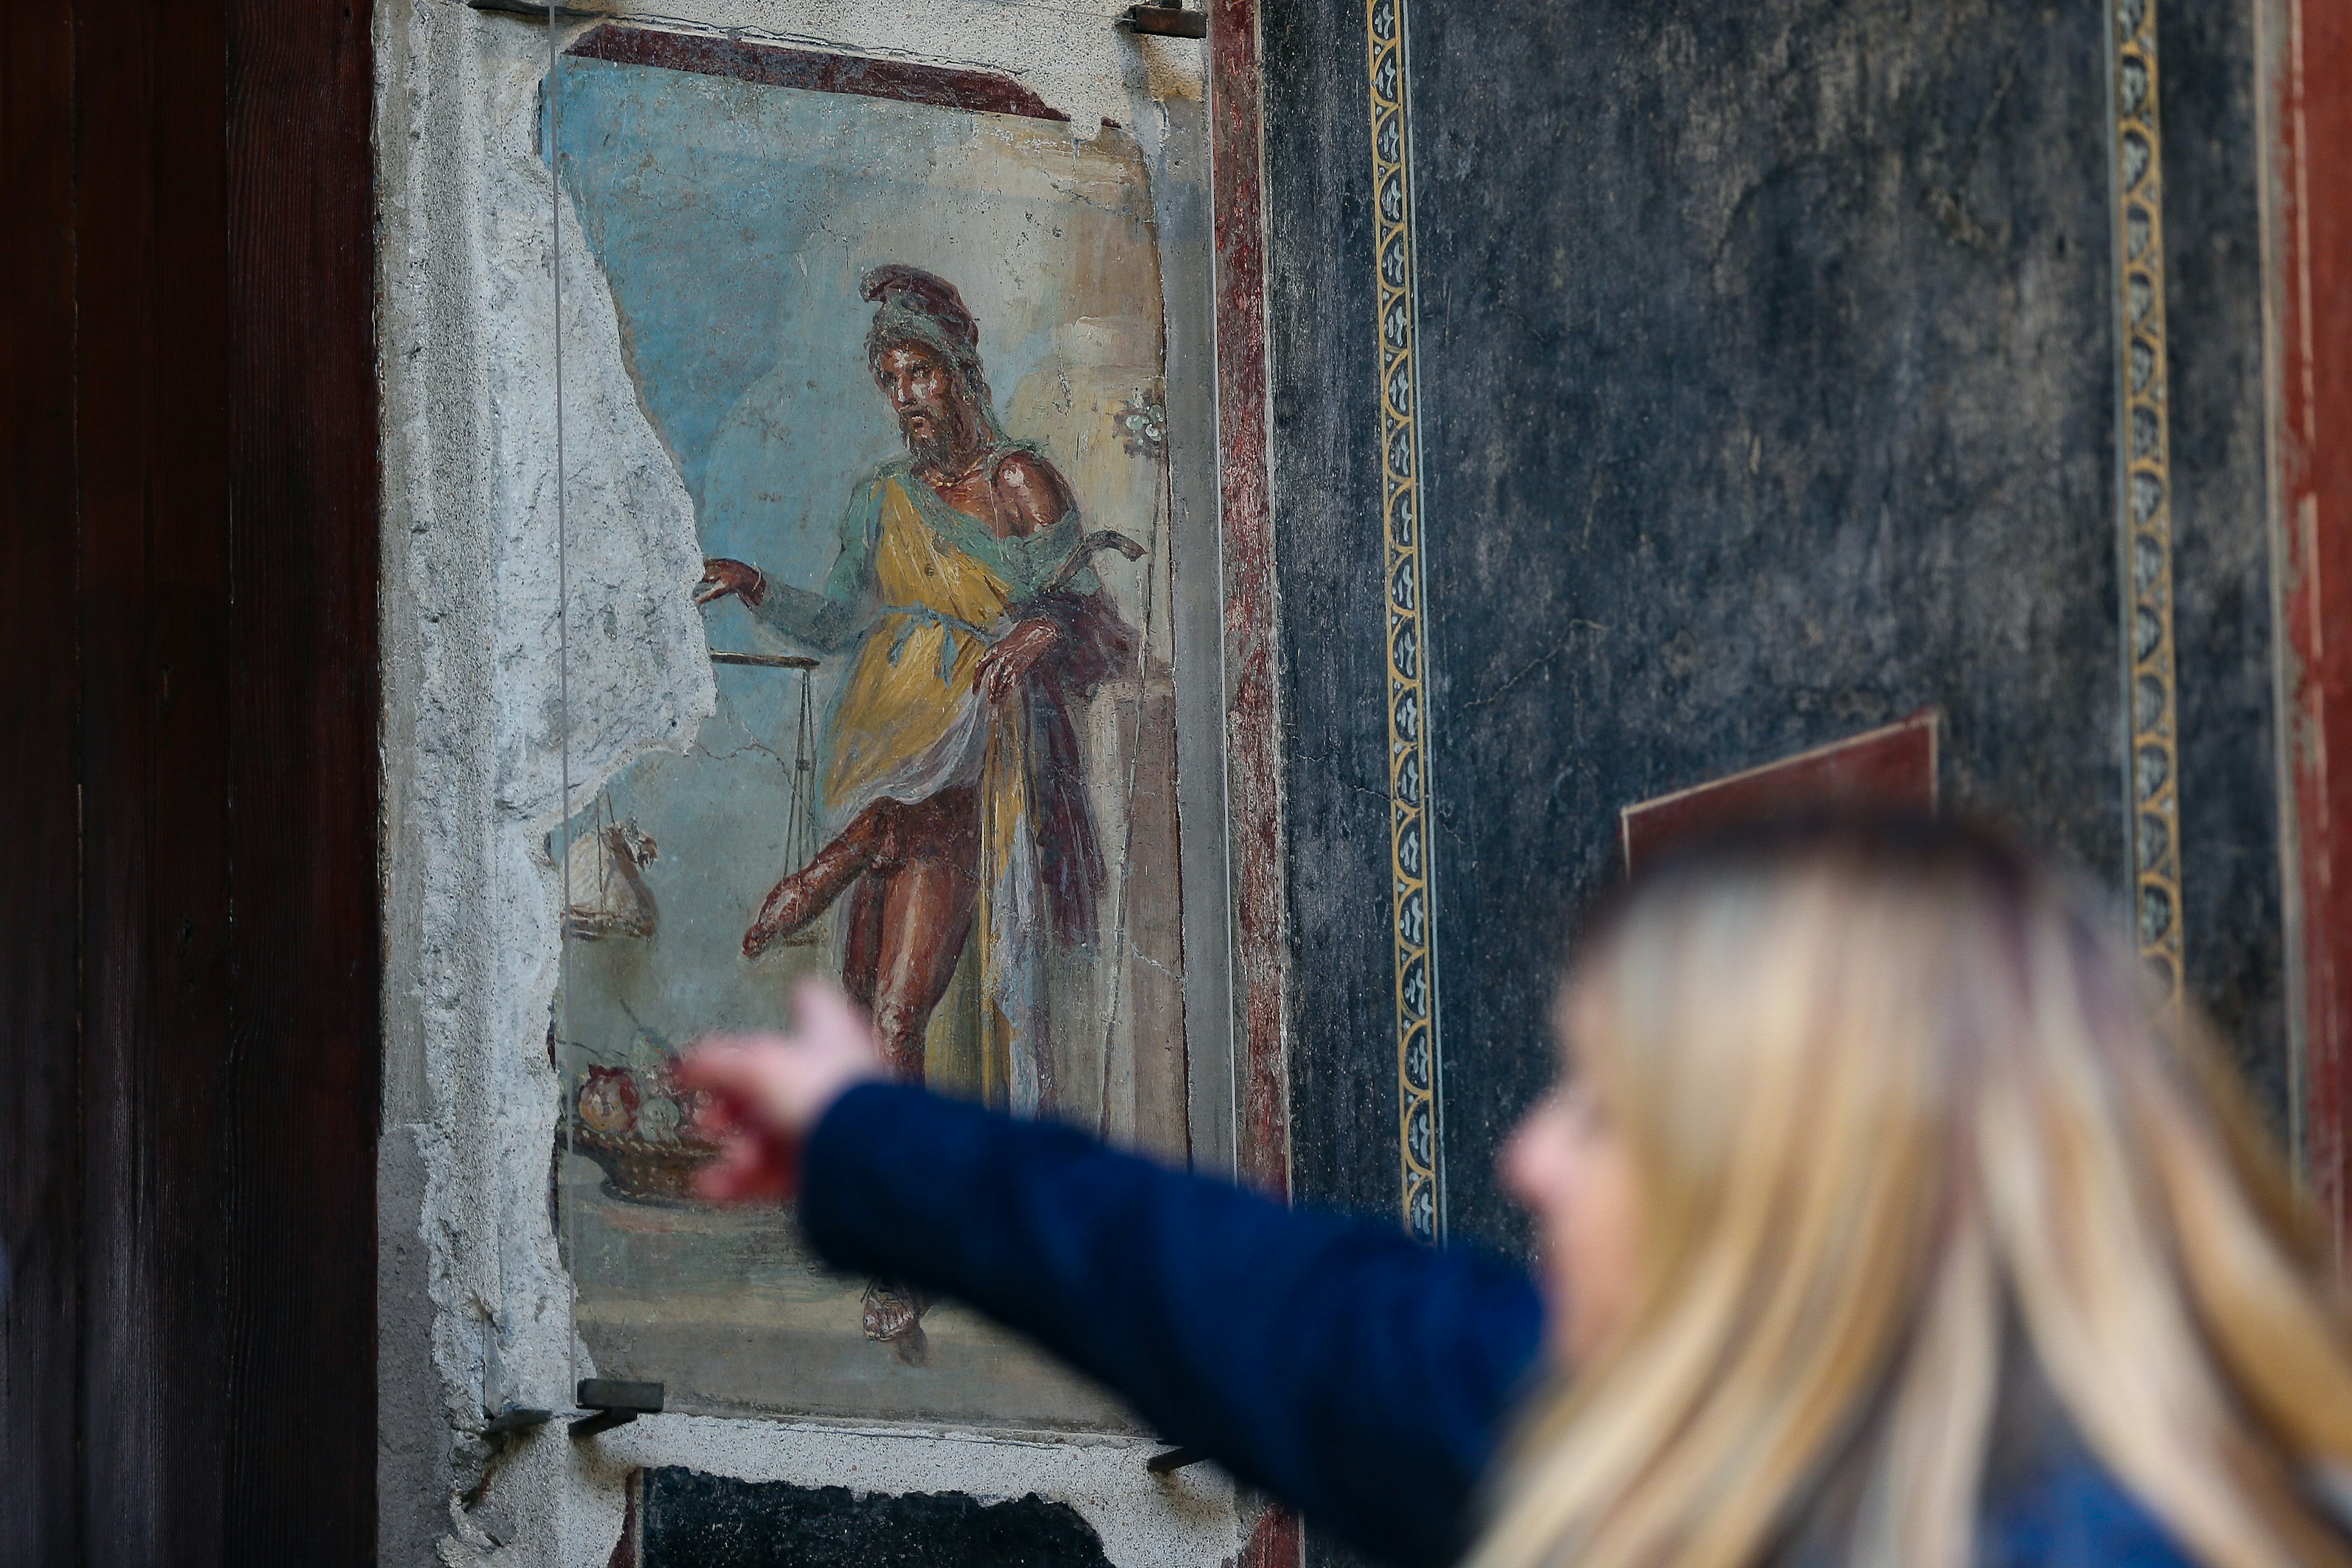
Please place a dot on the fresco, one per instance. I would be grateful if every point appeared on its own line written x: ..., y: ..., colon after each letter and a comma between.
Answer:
x: 907, y: 361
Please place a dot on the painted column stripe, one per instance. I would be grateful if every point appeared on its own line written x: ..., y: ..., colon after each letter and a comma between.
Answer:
x: 1412, y: 910
x: 2152, y: 770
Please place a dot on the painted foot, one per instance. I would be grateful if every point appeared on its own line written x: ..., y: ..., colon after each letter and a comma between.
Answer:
x: 893, y: 1315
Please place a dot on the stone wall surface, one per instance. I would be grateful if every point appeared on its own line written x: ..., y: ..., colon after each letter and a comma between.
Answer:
x: 474, y: 1304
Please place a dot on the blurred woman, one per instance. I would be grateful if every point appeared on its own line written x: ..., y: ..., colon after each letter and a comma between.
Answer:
x: 1881, y: 1219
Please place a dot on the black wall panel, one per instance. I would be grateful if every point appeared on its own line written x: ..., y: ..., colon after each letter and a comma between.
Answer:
x: 695, y: 1521
x: 1325, y: 461
x: 1768, y: 394
x: 2230, y: 851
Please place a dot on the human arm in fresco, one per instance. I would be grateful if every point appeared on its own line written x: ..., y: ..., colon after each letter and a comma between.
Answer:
x: 1354, y: 1374
x: 827, y: 620
x: 1030, y: 496
x: 1069, y: 630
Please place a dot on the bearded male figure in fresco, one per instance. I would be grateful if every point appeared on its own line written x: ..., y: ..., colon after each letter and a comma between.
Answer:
x: 950, y: 783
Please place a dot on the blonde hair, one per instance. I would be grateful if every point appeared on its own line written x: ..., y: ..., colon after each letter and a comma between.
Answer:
x: 1894, y: 1096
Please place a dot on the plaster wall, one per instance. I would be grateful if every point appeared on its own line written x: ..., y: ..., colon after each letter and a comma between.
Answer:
x: 474, y: 1304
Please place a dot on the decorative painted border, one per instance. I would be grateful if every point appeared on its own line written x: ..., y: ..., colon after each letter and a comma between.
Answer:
x: 773, y: 65
x: 1413, y: 909
x: 2145, y: 438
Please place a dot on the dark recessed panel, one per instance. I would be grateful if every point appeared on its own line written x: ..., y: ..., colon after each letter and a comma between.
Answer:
x: 697, y: 1520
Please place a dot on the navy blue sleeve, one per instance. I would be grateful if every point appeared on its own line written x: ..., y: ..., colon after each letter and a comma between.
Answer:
x: 1361, y: 1378
x: 2078, y: 1518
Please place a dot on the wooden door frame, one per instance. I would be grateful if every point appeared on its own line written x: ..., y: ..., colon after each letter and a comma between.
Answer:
x: 40, y: 1193
x: 189, y: 985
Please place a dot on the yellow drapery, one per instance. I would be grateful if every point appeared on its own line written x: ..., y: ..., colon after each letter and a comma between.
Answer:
x: 910, y: 701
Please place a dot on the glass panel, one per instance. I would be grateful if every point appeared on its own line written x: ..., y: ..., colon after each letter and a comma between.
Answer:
x: 911, y: 363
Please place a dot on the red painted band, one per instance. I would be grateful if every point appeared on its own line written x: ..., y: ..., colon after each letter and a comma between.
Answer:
x: 773, y: 65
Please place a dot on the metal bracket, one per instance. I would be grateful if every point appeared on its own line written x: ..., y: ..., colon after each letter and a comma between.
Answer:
x: 613, y: 1403
x: 1165, y: 19
x: 764, y: 660
x: 539, y: 12
x: 517, y: 1418
x: 1169, y: 1460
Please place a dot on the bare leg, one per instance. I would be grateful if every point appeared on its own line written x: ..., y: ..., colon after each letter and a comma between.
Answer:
x: 861, y: 956
x: 890, y: 1313
x: 926, y: 901
x: 926, y: 921
x: 926, y: 913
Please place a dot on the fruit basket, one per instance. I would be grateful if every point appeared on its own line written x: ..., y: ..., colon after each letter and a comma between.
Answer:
x: 644, y: 1170
x: 639, y: 1128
